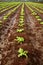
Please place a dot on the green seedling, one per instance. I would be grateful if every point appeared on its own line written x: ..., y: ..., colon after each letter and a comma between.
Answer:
x: 39, y: 19
x: 22, y: 12
x: 22, y: 17
x: 22, y: 52
x: 19, y: 39
x: 21, y: 25
x: 22, y: 9
x: 5, y: 17
x: 21, y: 22
x: 32, y: 10
x: 20, y: 30
x: 34, y: 13
x: 41, y: 23
x: 0, y: 22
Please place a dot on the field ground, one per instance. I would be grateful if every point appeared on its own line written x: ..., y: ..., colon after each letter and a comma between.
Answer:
x: 21, y: 33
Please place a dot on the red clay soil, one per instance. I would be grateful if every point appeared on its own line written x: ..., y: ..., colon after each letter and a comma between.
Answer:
x: 9, y: 49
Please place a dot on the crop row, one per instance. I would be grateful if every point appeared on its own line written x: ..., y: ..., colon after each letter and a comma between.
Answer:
x: 20, y: 39
x: 4, y: 5
x: 8, y: 8
x: 39, y: 10
x: 35, y: 14
x: 6, y: 17
x: 37, y: 5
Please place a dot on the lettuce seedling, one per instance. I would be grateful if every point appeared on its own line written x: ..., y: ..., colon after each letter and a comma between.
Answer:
x: 22, y: 17
x: 20, y: 30
x: 39, y: 19
x: 21, y: 22
x: 5, y: 17
x: 0, y: 22
x: 21, y: 25
x: 41, y: 23
x: 22, y: 12
x: 19, y: 39
x: 34, y: 13
x: 22, y: 52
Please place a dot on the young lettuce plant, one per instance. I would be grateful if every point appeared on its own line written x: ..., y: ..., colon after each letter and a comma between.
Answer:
x: 22, y: 17
x: 34, y: 13
x: 22, y: 52
x: 5, y: 18
x: 0, y: 23
x: 21, y: 22
x: 20, y: 30
x: 22, y: 11
x: 41, y: 23
x: 38, y: 18
x: 21, y: 25
x: 19, y: 39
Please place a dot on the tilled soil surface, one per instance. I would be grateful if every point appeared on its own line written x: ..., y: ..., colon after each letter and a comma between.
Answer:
x: 33, y: 35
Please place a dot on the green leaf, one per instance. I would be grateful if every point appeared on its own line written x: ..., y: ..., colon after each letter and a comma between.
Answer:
x: 22, y: 53
x: 20, y: 30
x: 41, y: 22
x: 20, y: 39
